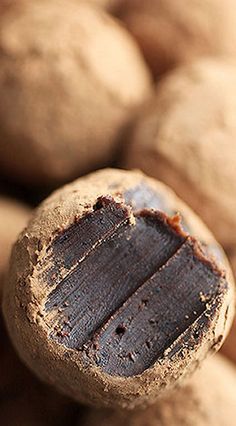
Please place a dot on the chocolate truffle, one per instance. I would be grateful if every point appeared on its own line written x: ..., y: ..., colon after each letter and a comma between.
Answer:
x: 172, y: 32
x: 70, y: 80
x: 13, y: 218
x: 186, y: 138
x: 208, y: 399
x: 109, y: 298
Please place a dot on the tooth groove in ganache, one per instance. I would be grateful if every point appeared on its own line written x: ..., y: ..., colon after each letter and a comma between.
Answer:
x: 131, y: 285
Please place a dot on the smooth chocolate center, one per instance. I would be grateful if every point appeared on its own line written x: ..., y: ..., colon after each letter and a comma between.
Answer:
x: 126, y: 287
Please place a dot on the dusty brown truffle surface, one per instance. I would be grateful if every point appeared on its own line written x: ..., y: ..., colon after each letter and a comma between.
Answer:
x: 24, y: 401
x: 172, y: 32
x: 84, y: 246
x: 107, y: 4
x: 70, y: 79
x: 229, y: 347
x: 186, y: 138
x: 209, y: 399
x: 13, y: 218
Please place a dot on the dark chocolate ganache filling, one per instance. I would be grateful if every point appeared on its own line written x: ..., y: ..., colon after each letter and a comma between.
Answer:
x: 127, y: 286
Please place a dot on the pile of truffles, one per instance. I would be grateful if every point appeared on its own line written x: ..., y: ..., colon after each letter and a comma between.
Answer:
x: 117, y: 200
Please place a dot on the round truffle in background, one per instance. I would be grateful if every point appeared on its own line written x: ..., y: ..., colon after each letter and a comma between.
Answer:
x: 13, y: 218
x: 208, y: 399
x: 186, y: 138
x: 5, y: 4
x: 173, y: 32
x: 107, y: 4
x: 70, y: 80
x: 116, y: 236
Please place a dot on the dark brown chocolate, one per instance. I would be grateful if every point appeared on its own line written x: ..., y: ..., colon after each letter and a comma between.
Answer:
x: 162, y: 308
x: 125, y: 290
x: 109, y: 269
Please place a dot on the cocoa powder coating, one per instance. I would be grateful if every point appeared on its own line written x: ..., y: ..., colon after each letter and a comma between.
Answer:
x: 87, y: 275
x: 71, y: 78
x: 171, y: 33
x: 13, y: 218
x: 208, y: 399
x: 185, y: 137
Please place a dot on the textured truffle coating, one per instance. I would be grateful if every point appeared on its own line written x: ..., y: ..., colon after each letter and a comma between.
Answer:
x: 229, y: 347
x: 70, y: 80
x: 186, y: 138
x: 28, y: 292
x: 173, y: 32
x: 13, y: 218
x: 208, y: 399
x: 24, y: 400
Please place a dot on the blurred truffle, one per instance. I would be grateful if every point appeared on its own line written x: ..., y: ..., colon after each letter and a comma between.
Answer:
x: 70, y: 79
x: 186, y: 138
x: 172, y: 32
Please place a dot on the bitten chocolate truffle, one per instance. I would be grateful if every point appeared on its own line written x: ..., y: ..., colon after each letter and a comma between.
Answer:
x: 113, y: 300
x: 13, y: 218
x: 70, y: 80
x: 172, y: 32
x: 186, y: 138
x: 208, y: 399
